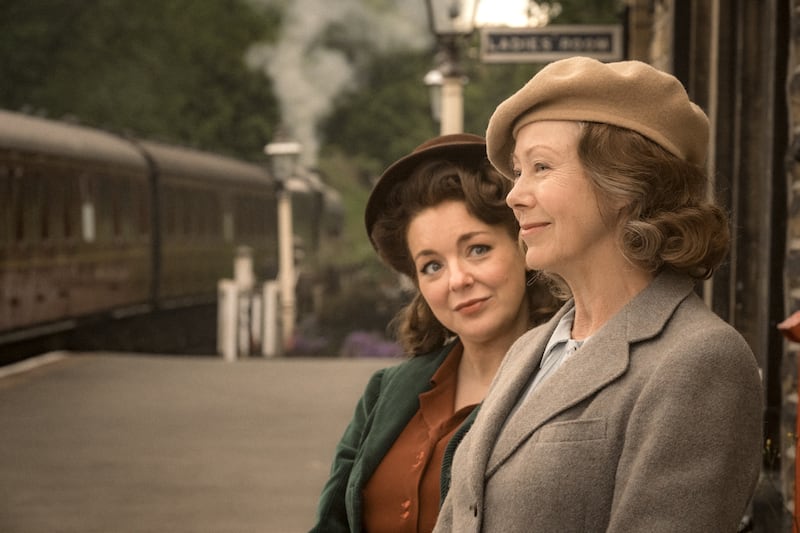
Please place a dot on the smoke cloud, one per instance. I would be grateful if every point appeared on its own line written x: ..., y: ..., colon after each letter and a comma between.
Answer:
x: 307, y: 75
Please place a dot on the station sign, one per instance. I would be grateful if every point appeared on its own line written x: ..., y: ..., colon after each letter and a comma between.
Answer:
x: 550, y: 43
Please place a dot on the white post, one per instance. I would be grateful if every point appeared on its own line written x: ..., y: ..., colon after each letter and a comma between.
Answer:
x: 245, y: 280
x: 227, y: 313
x: 270, y: 343
x: 256, y: 319
x: 243, y: 268
x: 243, y: 323
x: 283, y: 156
x: 286, y: 274
x: 452, y: 120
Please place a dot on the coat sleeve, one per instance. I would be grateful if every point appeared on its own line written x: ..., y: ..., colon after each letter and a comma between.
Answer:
x: 331, y: 510
x: 692, y: 450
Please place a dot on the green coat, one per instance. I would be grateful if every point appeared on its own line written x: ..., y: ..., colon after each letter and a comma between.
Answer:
x: 390, y: 400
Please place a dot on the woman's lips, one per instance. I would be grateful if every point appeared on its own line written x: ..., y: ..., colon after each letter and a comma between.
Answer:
x: 532, y: 228
x: 470, y: 306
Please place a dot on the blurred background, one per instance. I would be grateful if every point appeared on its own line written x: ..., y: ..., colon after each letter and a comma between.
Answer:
x: 189, y: 177
x: 345, y: 83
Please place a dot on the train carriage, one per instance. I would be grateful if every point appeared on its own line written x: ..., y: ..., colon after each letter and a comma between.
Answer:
x: 74, y: 230
x: 114, y: 241
x: 209, y: 205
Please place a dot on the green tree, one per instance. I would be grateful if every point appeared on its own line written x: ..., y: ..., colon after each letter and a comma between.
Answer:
x: 388, y: 113
x: 172, y: 70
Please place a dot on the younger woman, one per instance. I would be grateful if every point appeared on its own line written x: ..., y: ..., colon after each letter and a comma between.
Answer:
x: 439, y: 217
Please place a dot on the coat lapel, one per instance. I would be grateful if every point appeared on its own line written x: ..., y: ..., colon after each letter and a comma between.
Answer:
x: 517, y: 369
x: 399, y: 401
x: 600, y: 361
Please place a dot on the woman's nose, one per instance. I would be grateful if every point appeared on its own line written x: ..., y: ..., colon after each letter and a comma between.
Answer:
x: 460, y: 277
x: 519, y: 196
x: 512, y: 198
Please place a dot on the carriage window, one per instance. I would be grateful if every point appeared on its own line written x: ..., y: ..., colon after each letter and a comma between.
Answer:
x: 5, y: 199
x: 188, y: 211
x: 218, y: 220
x: 43, y: 195
x: 103, y: 209
x: 88, y: 224
x: 168, y: 211
x: 203, y: 207
x: 243, y: 218
x: 55, y: 190
x: 141, y: 210
x: 207, y: 214
x: 18, y: 209
x: 114, y: 194
x: 29, y: 217
x: 214, y: 217
x: 177, y: 211
x: 71, y: 209
x: 227, y: 226
x: 123, y: 200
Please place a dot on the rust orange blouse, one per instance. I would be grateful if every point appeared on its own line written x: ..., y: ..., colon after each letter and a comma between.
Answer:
x: 402, y: 496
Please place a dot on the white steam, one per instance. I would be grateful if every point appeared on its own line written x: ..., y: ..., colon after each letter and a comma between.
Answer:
x: 307, y: 76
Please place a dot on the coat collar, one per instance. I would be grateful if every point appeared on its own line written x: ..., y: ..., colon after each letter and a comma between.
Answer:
x: 398, y: 401
x: 601, y: 360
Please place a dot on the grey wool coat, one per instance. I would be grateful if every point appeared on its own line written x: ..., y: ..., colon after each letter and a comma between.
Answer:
x: 653, y: 425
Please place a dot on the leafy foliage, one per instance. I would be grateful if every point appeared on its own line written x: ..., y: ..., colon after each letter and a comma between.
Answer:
x: 175, y: 70
x: 388, y: 114
x: 172, y: 70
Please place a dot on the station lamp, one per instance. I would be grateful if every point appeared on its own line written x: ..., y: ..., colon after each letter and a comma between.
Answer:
x: 283, y: 158
x: 451, y: 21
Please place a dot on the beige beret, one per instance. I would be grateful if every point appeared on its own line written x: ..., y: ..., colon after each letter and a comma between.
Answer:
x: 629, y: 94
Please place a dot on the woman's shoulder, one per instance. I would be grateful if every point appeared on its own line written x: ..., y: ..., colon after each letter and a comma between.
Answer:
x: 695, y: 322
x: 699, y: 342
x: 421, y: 363
x: 405, y: 376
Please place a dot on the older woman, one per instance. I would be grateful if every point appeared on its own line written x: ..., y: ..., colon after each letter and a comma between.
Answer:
x: 635, y: 408
x: 437, y: 216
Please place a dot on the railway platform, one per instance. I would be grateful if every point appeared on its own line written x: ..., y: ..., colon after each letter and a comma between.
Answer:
x: 97, y: 442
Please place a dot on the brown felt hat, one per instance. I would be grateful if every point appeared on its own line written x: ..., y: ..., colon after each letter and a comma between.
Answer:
x: 629, y: 94
x: 457, y: 147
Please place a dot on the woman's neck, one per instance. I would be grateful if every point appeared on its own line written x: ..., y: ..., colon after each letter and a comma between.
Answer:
x: 478, y: 365
x: 599, y: 296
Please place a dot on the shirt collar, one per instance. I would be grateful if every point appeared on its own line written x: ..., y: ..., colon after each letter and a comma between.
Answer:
x: 449, y: 367
x: 562, y: 332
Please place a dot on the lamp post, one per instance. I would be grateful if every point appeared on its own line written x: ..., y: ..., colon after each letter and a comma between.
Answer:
x: 283, y: 157
x: 434, y: 81
x: 451, y: 21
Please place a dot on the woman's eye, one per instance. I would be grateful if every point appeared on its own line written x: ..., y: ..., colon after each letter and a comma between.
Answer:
x: 479, y: 249
x: 430, y: 268
x: 539, y: 167
x: 517, y: 173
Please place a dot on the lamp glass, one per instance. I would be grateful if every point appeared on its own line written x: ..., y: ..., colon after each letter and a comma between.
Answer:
x: 283, y: 158
x: 434, y: 80
x: 452, y: 17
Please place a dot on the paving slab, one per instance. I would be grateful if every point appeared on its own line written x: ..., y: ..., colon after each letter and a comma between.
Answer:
x: 136, y: 443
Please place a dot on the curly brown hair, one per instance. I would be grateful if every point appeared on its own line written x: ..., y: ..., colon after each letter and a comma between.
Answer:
x: 483, y: 191
x: 661, y: 202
